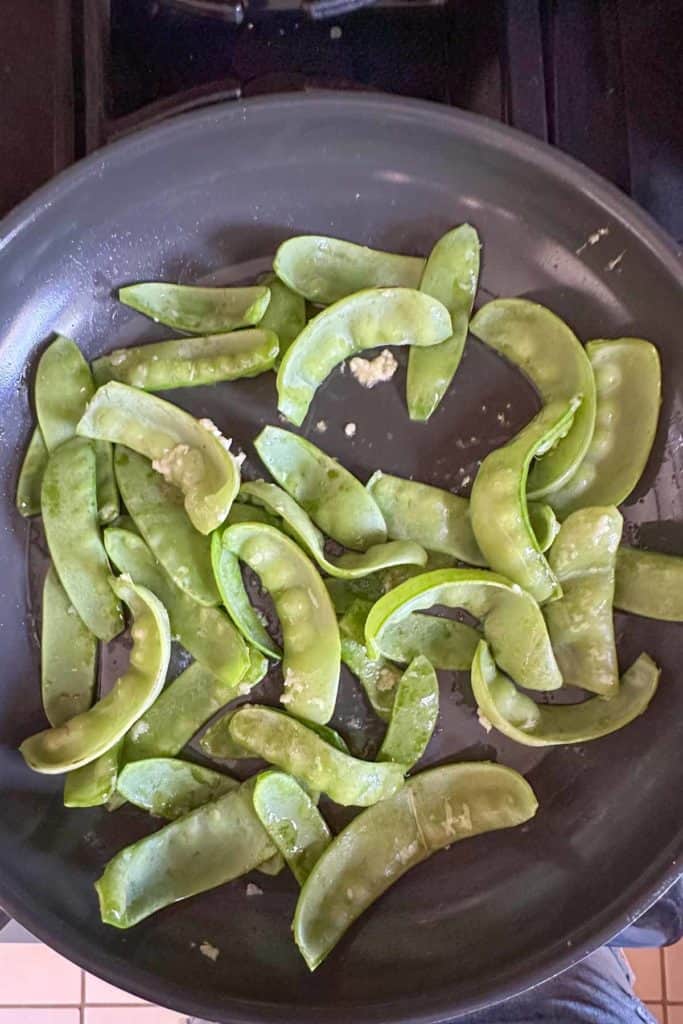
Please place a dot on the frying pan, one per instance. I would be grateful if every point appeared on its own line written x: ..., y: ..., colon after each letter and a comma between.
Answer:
x: 219, y: 189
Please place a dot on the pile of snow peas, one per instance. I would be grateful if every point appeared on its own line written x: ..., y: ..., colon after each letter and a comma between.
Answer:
x: 144, y: 508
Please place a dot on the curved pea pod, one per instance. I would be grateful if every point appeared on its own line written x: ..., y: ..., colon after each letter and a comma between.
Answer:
x: 434, y: 809
x: 344, y: 593
x: 68, y: 655
x: 190, y: 453
x: 450, y: 275
x: 158, y: 511
x: 512, y: 621
x: 378, y: 677
x: 649, y: 583
x: 84, y: 737
x: 169, y: 787
x: 367, y: 319
x: 447, y: 644
x: 325, y: 270
x: 581, y: 623
x: 197, y: 310
x: 31, y: 476
x: 328, y: 493
x: 628, y: 387
x: 285, y: 315
x: 94, y: 784
x: 551, y: 356
x: 413, y: 715
x: 293, y: 822
x: 243, y: 512
x: 228, y: 576
x: 309, y: 627
x: 206, y: 633
x: 273, y: 866
x: 218, y: 741
x: 544, y: 524
x: 543, y: 725
x: 500, y: 517
x: 190, y: 362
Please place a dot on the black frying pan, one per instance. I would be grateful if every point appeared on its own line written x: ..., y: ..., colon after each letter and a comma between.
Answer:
x: 221, y: 188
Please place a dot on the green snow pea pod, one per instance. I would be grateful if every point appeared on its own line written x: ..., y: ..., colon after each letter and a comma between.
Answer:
x: 243, y: 512
x: 336, y: 502
x: 158, y: 511
x: 542, y: 725
x: 378, y: 677
x: 31, y: 476
x: 512, y: 621
x: 190, y: 453
x: 206, y: 633
x: 550, y: 355
x: 434, y: 809
x: 325, y: 270
x: 309, y: 627
x: 446, y: 644
x: 272, y: 866
x: 197, y: 310
x: 498, y: 506
x: 368, y: 319
x: 218, y: 741
x: 68, y: 655
x: 344, y: 593
x: 413, y: 716
x: 581, y: 623
x: 286, y: 313
x: 93, y: 784
x: 649, y: 583
x: 450, y: 275
x: 69, y: 507
x: 544, y: 524
x: 169, y: 787
x: 228, y: 576
x: 293, y: 822
x: 91, y: 733
x: 628, y: 384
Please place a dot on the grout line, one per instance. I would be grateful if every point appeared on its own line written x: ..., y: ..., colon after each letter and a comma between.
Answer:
x: 662, y: 972
x: 82, y: 1010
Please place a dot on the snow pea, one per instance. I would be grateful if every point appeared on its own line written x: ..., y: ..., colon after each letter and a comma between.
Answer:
x: 293, y: 822
x: 447, y: 644
x: 298, y: 750
x: 544, y: 524
x: 450, y: 275
x: 344, y: 593
x: 581, y: 623
x: 378, y: 677
x: 228, y: 576
x: 434, y: 809
x: 69, y: 507
x: 413, y: 715
x: 68, y: 655
x: 206, y: 633
x: 169, y: 788
x: 197, y: 310
x: 628, y: 388
x: 31, y: 476
x: 190, y: 362
x: 158, y: 512
x: 367, y: 319
x: 511, y: 619
x: 83, y: 738
x: 190, y: 453
x: 242, y: 512
x: 94, y: 784
x: 500, y: 518
x: 325, y: 270
x: 286, y: 313
x: 649, y: 583
x: 218, y: 742
x: 541, y: 725
x: 309, y: 627
x: 551, y: 356
x: 336, y: 502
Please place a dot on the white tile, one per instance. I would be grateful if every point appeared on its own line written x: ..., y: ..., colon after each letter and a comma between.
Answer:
x: 43, y: 1015
x: 34, y: 974
x: 98, y: 991
x: 132, y: 1015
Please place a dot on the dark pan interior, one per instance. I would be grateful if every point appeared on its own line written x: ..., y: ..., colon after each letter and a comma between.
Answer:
x: 219, y: 190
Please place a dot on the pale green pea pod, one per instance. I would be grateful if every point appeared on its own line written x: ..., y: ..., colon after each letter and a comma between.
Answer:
x: 69, y: 507
x: 272, y: 866
x: 228, y: 576
x: 541, y: 725
x: 170, y: 788
x: 550, y: 355
x: 293, y: 822
x: 31, y: 476
x: 190, y: 453
x: 195, y: 309
x: 345, y: 593
x: 218, y: 742
x: 413, y: 715
x: 95, y: 783
x: 581, y: 623
x: 367, y: 319
x: 378, y: 677
x: 242, y: 512
x: 336, y: 502
x: 84, y: 738
x: 628, y: 387
x: 649, y: 583
x: 434, y: 809
x: 447, y: 644
x: 325, y: 270
x: 450, y: 275
x: 68, y: 655
x: 286, y: 313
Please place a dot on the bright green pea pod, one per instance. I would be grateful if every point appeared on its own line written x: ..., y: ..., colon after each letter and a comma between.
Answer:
x: 498, y: 506
x: 434, y: 809
x: 450, y: 275
x: 378, y: 677
x: 344, y: 593
x: 553, y: 359
x: 512, y: 621
x: 368, y: 319
x: 243, y: 512
x: 628, y: 384
x: 206, y: 633
x: 197, y: 310
x: 68, y: 655
x: 190, y: 453
x: 228, y: 576
x: 218, y: 742
x: 94, y: 784
x: 649, y: 583
x: 328, y: 493
x: 69, y: 507
x: 170, y: 788
x: 190, y: 362
x: 309, y: 627
x: 543, y: 725
x: 31, y: 476
x: 581, y: 623
x: 158, y: 512
x: 286, y: 313
x: 446, y: 644
x: 82, y: 739
x: 325, y: 270
x: 544, y: 524
x: 413, y: 716
x: 293, y: 822
x: 207, y: 847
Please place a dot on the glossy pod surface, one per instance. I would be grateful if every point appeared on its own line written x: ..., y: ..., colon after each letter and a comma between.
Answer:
x: 413, y: 715
x: 649, y: 583
x: 195, y: 309
x: 68, y: 655
x: 170, y: 788
x: 292, y: 821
